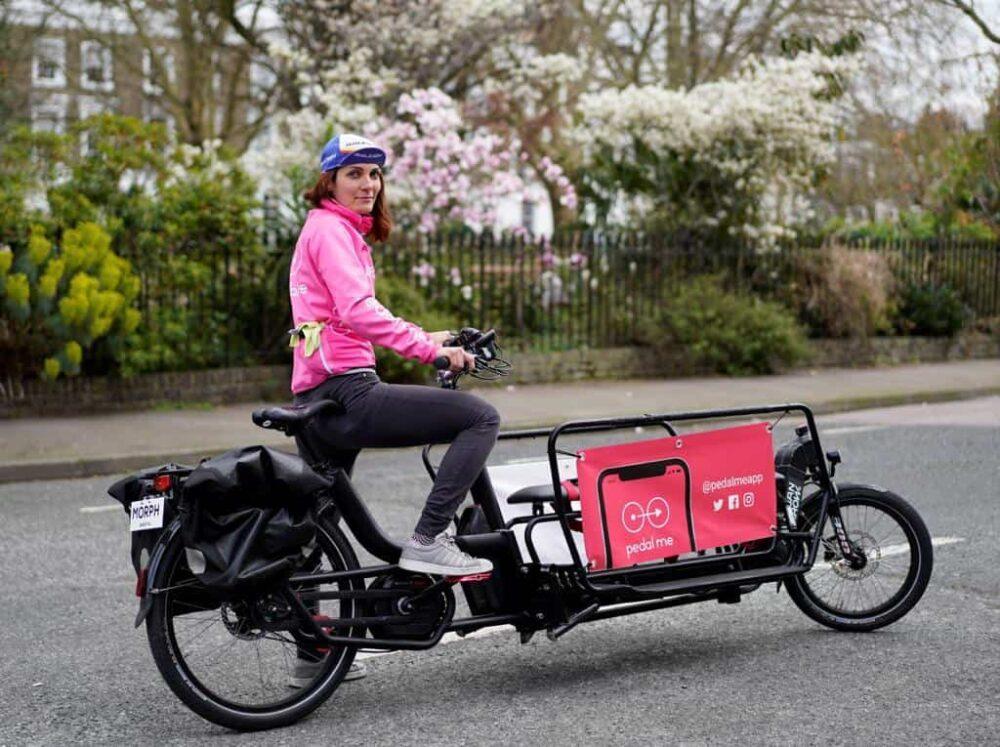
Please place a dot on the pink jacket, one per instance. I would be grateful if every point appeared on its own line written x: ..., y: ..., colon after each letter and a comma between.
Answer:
x: 332, y: 280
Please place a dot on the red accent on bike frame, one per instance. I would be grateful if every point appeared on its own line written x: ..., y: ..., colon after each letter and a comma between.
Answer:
x: 329, y: 631
x: 655, y: 499
x: 572, y: 491
x: 469, y: 579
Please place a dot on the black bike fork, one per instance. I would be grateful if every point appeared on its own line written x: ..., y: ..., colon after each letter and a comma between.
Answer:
x: 837, y: 522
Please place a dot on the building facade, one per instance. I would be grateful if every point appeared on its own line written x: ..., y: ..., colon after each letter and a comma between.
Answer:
x: 58, y: 72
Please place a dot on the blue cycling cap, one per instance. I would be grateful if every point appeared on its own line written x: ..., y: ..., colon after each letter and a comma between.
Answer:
x: 346, y: 149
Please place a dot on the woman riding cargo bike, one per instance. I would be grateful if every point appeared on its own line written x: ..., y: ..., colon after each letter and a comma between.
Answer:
x: 248, y: 582
x: 338, y: 318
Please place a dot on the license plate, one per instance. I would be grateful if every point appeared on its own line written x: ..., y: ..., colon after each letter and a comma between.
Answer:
x: 147, y: 514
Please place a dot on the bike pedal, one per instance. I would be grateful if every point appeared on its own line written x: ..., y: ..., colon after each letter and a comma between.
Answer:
x: 472, y: 578
x: 322, y: 619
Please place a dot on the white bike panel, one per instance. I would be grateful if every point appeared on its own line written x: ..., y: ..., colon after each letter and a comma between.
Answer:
x: 548, y: 537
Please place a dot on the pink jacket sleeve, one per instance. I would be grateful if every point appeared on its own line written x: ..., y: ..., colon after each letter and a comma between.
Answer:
x: 346, y: 278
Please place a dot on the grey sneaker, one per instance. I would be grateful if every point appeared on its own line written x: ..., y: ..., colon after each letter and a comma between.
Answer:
x: 304, y: 673
x: 443, y: 558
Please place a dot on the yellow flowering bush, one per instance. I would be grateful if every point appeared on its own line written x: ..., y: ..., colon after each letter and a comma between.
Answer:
x: 18, y: 291
x: 60, y: 300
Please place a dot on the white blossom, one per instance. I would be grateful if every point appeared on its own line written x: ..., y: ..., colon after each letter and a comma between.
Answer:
x: 768, y: 129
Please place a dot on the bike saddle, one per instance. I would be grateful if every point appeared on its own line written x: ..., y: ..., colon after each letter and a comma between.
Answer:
x: 289, y: 420
x: 542, y: 494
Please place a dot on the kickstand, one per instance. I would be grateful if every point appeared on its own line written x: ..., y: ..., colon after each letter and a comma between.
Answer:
x: 560, y: 630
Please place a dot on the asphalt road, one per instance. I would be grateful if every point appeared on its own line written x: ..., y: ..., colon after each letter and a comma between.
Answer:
x: 73, y: 670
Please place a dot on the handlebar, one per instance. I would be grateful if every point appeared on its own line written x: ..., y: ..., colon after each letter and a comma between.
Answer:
x: 483, y: 346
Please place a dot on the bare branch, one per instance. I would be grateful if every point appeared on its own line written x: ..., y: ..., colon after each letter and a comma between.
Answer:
x: 976, y: 18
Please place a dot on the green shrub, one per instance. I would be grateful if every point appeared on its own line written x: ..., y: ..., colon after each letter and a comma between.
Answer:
x: 837, y: 291
x: 920, y: 226
x: 932, y: 310
x: 732, y: 334
x: 405, y: 301
x: 61, y: 300
x: 185, y: 217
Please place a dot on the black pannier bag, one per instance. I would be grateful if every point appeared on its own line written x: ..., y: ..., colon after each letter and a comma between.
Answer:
x: 247, y: 513
x: 135, y: 487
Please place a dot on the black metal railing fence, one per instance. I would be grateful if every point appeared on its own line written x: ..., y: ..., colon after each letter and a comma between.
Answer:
x: 573, y: 290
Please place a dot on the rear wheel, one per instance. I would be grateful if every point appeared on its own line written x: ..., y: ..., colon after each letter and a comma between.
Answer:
x: 244, y: 662
x: 894, y: 567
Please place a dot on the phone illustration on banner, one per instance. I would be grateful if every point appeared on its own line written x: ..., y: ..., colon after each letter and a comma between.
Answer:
x: 645, y: 511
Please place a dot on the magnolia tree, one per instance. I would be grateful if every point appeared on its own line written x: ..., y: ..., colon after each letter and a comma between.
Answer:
x: 459, y: 91
x: 440, y: 175
x: 373, y: 52
x: 441, y: 170
x: 735, y: 157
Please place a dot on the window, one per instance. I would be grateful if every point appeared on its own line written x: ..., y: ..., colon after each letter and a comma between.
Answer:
x: 48, y: 113
x: 219, y: 98
x: 528, y: 215
x: 262, y: 81
x: 95, y: 66
x: 49, y: 63
x: 88, y: 106
x: 153, y: 110
x: 152, y: 83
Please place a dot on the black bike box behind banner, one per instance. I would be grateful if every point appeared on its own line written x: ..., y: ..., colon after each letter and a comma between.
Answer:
x: 247, y: 512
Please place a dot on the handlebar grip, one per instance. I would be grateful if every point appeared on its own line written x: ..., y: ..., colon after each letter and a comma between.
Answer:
x: 485, y: 339
x: 441, y: 363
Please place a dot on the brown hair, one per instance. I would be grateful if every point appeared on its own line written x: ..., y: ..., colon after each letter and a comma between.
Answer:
x: 381, y: 217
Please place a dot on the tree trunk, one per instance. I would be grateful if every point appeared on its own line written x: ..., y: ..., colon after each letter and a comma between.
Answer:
x: 675, y: 45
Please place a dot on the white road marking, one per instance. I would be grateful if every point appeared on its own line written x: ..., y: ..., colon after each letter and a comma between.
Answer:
x: 935, y: 541
x: 849, y: 429
x: 99, y: 509
x: 448, y: 638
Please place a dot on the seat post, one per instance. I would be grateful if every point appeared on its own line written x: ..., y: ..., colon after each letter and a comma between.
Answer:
x: 306, y: 451
x: 485, y: 497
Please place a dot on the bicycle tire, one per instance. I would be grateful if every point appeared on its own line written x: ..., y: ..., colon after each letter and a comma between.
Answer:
x: 213, y: 707
x: 804, y: 589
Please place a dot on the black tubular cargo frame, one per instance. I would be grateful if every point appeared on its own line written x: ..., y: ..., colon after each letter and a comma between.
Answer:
x: 613, y: 593
x: 615, y: 581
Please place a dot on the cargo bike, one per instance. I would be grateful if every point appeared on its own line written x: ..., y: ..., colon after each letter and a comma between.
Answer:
x: 618, y: 528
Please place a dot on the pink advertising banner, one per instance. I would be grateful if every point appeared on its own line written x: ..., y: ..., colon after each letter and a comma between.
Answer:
x: 649, y: 500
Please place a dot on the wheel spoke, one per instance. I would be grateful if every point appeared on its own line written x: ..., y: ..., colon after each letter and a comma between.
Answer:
x: 888, y: 547
x: 227, y: 654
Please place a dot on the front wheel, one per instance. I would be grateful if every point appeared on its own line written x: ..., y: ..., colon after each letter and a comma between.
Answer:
x: 243, y: 662
x: 896, y: 559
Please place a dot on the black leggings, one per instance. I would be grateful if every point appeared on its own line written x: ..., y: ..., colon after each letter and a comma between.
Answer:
x: 393, y: 415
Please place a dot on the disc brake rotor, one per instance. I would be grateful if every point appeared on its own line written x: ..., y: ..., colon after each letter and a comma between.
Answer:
x: 236, y: 618
x: 865, y: 545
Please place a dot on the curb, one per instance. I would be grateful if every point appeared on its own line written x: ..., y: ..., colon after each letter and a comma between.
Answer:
x: 64, y: 469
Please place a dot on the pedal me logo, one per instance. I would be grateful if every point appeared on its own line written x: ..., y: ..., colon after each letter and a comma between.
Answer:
x: 635, y: 516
